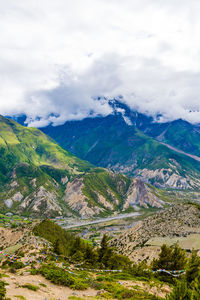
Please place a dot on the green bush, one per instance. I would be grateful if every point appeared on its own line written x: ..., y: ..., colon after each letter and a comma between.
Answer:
x: 2, y: 290
x: 117, y: 291
x: 30, y: 287
x: 171, y: 258
x: 16, y: 265
x: 188, y: 287
x: 61, y: 277
x: 20, y: 297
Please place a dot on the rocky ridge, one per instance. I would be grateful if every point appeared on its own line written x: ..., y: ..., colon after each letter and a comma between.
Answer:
x: 137, y: 194
x: 114, y: 195
x: 177, y: 221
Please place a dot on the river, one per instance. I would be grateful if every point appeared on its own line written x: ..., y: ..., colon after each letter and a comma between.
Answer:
x: 102, y: 220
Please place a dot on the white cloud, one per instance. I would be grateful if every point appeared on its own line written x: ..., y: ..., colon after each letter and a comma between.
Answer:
x: 56, y: 55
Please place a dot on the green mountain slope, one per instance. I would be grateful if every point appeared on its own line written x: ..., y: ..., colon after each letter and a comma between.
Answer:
x: 110, y: 142
x: 33, y: 167
x: 30, y: 145
x: 38, y: 177
x: 182, y: 135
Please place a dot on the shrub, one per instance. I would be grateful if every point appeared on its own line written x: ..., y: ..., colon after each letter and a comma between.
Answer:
x: 61, y: 277
x: 117, y: 291
x: 171, y: 258
x: 16, y: 265
x: 20, y: 297
x: 2, y: 290
x: 43, y: 284
x: 30, y: 287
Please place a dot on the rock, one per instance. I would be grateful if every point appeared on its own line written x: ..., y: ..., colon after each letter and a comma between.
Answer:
x: 14, y: 184
x: 17, y: 197
x: 8, y: 203
x: 170, y: 177
x: 33, y: 182
x: 42, y: 201
x: 77, y: 200
x: 64, y: 180
x: 140, y: 194
x: 100, y: 292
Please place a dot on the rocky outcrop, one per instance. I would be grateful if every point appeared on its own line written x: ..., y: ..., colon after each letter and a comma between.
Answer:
x: 168, y: 178
x: 16, y: 197
x: 93, y: 194
x: 8, y: 203
x: 140, y: 194
x: 77, y: 201
x: 64, y: 180
x: 41, y: 202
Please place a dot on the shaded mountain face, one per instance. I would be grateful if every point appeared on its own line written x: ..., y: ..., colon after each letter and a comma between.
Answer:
x: 131, y: 143
x: 39, y: 178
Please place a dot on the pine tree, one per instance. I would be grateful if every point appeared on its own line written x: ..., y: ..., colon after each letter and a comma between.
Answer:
x: 180, y: 292
x: 179, y: 258
x: 76, y: 246
x: 165, y: 258
x: 58, y: 247
x: 196, y: 289
x: 104, y: 247
x: 90, y: 255
x: 193, y: 271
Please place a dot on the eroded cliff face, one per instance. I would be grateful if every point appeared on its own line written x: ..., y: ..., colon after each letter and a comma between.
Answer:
x: 41, y: 202
x: 137, y: 194
x: 77, y: 201
x: 168, y: 178
x: 93, y: 194
x: 140, y: 194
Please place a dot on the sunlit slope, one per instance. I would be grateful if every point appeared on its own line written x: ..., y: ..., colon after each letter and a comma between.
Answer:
x: 19, y: 144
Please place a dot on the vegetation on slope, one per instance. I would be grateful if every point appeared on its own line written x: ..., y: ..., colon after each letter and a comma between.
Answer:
x: 179, y: 134
x: 72, y: 262
x: 66, y: 244
x: 188, y: 287
x: 30, y: 160
x: 30, y: 146
x: 170, y: 258
x: 105, y: 183
x: 34, y: 171
x: 110, y: 142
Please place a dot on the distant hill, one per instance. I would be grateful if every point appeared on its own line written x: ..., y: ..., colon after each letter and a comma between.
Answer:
x: 179, y: 223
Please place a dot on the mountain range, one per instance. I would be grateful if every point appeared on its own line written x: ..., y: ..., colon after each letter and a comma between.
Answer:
x: 39, y: 178
x: 96, y: 166
x: 166, y: 155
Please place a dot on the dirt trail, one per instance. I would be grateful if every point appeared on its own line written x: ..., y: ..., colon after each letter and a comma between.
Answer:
x: 51, y: 291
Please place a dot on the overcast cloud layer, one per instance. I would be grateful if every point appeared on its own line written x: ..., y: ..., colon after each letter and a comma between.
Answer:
x: 57, y: 55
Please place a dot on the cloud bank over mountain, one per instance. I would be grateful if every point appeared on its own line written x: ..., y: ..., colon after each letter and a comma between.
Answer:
x: 57, y: 56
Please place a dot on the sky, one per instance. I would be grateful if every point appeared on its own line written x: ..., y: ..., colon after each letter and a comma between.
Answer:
x: 57, y: 56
